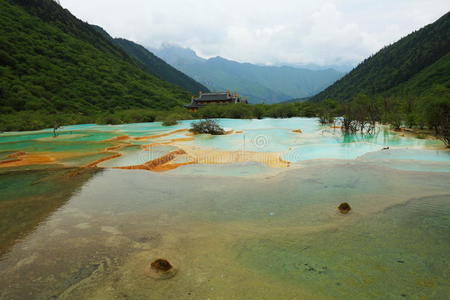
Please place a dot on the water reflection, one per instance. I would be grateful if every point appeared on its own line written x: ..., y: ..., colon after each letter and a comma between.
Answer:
x: 229, y: 235
x: 29, y: 197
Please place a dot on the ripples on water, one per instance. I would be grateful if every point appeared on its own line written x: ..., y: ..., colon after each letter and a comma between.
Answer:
x: 234, y: 231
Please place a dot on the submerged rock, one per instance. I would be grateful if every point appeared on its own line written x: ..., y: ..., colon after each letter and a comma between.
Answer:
x: 344, y: 208
x: 161, y: 269
x: 161, y: 265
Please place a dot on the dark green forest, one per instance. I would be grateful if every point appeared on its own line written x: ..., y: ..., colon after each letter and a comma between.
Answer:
x: 52, y: 63
x: 409, y: 67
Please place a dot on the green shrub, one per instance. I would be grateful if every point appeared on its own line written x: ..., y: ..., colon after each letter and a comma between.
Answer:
x: 170, y: 121
x: 208, y: 127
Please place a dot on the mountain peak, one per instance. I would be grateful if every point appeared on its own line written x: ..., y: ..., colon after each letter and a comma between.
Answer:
x: 172, y: 54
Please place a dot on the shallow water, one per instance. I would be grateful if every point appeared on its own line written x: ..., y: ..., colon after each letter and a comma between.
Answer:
x: 267, y: 135
x: 233, y: 231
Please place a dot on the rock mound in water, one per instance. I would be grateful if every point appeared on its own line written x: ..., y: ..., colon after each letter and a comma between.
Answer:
x: 344, y: 208
x: 161, y: 269
x: 161, y: 265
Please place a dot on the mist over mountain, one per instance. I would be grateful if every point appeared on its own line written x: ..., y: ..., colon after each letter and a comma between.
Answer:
x: 343, y: 68
x: 268, y: 84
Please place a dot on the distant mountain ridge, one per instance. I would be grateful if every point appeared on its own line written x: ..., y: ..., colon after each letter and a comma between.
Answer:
x: 269, y: 84
x: 409, y: 67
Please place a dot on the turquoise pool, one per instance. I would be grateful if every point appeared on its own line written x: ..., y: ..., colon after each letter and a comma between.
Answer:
x: 232, y: 230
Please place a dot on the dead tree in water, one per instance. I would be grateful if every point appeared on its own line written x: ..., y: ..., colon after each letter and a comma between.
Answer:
x: 55, y: 128
x: 327, y: 112
x: 360, y: 115
x: 326, y: 119
x: 352, y: 125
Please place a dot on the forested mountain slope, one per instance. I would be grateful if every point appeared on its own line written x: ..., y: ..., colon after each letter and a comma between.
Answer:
x: 409, y: 67
x: 52, y: 62
x: 158, y: 67
x: 153, y: 64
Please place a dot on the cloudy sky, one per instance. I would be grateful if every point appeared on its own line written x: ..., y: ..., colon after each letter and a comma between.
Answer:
x: 267, y: 32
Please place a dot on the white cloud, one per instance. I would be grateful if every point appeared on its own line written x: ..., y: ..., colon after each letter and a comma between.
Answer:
x: 267, y: 32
